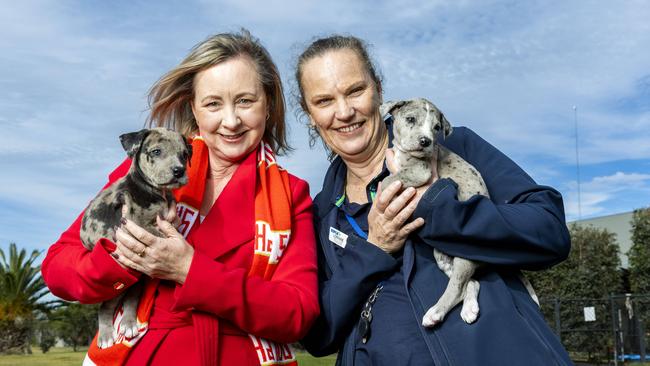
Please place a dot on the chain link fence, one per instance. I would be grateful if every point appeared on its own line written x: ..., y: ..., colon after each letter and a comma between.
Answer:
x: 607, y: 331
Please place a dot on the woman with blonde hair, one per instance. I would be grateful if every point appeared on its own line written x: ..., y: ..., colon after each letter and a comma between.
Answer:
x: 233, y: 281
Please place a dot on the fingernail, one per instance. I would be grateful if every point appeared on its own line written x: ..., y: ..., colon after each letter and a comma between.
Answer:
x: 115, y: 228
x: 115, y: 255
x: 123, y: 221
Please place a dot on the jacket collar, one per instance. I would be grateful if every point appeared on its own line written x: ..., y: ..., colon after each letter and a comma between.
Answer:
x: 231, y: 220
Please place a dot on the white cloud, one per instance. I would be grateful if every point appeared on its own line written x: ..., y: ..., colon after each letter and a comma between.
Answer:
x: 75, y: 76
x: 596, y: 195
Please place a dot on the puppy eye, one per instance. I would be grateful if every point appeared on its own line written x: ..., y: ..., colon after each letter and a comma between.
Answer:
x: 155, y: 152
x: 436, y: 127
x: 410, y: 119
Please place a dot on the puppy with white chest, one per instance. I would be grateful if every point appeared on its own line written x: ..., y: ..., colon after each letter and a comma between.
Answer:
x: 159, y: 157
x: 417, y: 125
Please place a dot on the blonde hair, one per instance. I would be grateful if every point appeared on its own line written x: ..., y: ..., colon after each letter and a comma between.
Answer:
x: 170, y: 97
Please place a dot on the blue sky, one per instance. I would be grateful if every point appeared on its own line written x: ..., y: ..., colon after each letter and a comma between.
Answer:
x: 74, y: 75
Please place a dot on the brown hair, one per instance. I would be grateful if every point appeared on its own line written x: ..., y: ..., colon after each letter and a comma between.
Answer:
x: 171, y: 95
x: 320, y: 47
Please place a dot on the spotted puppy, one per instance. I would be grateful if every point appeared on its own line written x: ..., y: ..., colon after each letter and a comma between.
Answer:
x: 417, y: 125
x: 159, y: 158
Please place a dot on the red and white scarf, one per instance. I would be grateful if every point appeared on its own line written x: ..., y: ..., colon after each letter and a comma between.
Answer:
x: 272, y: 222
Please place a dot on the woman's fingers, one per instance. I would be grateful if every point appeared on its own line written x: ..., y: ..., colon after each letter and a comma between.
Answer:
x: 405, y: 212
x: 166, y: 227
x: 396, y: 206
x: 129, y: 244
x: 171, y: 215
x: 412, y: 226
x: 390, y: 161
x: 138, y: 233
x: 385, y: 196
x: 127, y: 259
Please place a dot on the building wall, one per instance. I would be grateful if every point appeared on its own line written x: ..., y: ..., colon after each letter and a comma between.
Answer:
x: 619, y: 224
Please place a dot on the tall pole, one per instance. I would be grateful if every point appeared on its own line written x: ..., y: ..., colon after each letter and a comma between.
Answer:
x: 575, y: 118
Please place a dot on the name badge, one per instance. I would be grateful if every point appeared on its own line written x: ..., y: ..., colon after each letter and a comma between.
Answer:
x: 338, y: 237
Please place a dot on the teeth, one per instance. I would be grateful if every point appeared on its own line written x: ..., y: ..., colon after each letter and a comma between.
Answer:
x: 231, y: 137
x: 350, y: 128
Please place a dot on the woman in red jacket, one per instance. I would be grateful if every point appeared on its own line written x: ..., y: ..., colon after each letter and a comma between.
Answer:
x: 236, y: 280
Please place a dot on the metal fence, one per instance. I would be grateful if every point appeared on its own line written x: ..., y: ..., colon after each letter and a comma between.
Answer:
x: 610, y: 330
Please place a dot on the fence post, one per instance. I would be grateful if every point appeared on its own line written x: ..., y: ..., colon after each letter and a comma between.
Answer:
x: 642, y: 339
x: 558, y: 324
x: 614, y: 326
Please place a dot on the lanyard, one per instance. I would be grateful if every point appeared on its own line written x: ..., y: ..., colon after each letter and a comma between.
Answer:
x: 356, y: 227
x: 351, y: 220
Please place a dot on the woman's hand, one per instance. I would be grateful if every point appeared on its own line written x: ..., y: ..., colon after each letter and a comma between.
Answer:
x: 167, y: 258
x: 388, y: 215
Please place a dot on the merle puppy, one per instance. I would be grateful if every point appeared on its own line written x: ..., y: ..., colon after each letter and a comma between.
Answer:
x: 417, y: 125
x: 159, y: 158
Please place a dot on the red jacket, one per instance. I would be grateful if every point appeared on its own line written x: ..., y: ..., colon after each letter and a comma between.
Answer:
x: 217, y: 284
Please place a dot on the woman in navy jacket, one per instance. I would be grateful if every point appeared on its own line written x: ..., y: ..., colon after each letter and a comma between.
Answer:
x: 377, y: 274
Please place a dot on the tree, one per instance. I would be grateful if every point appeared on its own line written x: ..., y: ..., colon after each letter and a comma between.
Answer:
x: 591, y: 273
x: 639, y: 254
x: 75, y: 323
x: 21, y: 291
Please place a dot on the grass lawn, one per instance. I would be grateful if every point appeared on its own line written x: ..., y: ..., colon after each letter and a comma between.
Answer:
x: 65, y: 356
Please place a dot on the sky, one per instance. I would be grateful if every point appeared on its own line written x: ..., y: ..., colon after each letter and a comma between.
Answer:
x: 74, y: 76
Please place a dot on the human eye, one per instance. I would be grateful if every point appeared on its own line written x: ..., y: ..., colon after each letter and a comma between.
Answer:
x: 245, y: 101
x: 212, y: 104
x: 322, y: 102
x: 355, y: 92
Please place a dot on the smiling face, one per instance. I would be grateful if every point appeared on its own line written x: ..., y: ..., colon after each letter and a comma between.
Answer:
x: 343, y: 103
x: 230, y: 108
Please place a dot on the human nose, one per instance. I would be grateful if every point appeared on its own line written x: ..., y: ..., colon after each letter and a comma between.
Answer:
x: 230, y: 118
x: 344, y: 111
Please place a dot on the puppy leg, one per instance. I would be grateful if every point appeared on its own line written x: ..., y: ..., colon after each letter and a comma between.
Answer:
x: 106, y: 312
x: 129, y: 324
x: 444, y: 261
x: 469, y: 311
x: 462, y: 271
x: 529, y: 287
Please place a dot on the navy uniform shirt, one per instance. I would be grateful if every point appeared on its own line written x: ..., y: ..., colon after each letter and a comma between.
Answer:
x: 393, y: 322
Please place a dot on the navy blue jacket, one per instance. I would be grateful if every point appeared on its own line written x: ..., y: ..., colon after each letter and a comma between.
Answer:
x: 521, y: 226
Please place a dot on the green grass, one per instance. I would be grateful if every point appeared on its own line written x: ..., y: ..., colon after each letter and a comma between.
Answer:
x: 65, y: 356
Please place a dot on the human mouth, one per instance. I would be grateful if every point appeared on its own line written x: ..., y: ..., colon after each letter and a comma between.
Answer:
x: 232, y: 137
x: 350, y: 128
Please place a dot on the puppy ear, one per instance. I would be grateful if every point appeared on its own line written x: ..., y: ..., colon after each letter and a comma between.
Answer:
x: 446, y: 126
x: 390, y: 106
x: 132, y: 141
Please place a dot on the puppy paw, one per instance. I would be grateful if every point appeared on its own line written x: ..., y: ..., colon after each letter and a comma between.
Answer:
x: 105, y: 340
x: 433, y: 316
x: 129, y: 328
x: 469, y: 311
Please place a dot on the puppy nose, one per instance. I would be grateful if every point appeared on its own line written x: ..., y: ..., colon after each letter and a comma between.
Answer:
x: 178, y: 171
x: 425, y: 141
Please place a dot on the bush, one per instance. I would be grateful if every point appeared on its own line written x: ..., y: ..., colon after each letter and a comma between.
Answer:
x: 590, y: 272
